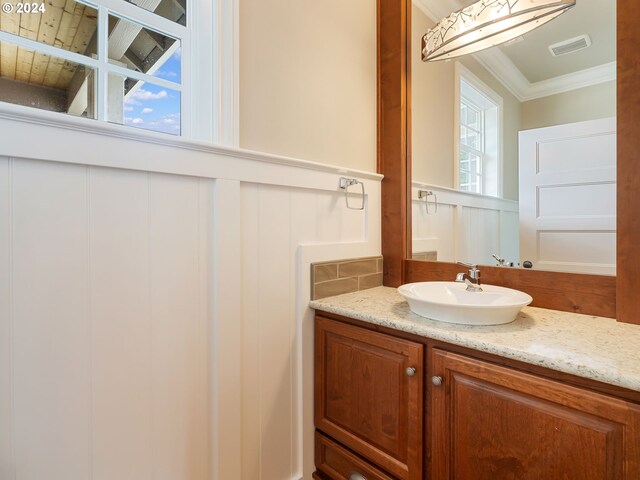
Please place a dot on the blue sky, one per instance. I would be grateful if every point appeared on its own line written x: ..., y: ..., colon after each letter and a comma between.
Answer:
x: 156, y: 108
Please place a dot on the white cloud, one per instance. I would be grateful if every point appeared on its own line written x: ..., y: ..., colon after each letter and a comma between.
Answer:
x: 128, y: 109
x: 137, y: 121
x: 146, y: 110
x: 169, y: 121
x: 167, y: 73
x: 143, y: 95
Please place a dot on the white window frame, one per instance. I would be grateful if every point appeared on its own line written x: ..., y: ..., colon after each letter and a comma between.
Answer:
x: 209, y: 73
x: 463, y: 73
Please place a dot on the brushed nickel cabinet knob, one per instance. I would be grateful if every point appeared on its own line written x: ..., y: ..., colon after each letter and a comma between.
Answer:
x: 411, y: 371
x: 356, y: 476
x: 436, y: 380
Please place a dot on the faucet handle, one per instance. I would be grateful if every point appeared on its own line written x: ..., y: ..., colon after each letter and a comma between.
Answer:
x: 470, y: 266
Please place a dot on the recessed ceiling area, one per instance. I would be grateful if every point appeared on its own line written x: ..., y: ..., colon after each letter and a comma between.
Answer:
x: 596, y: 18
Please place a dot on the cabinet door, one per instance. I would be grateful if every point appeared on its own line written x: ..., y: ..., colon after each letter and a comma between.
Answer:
x: 365, y: 397
x: 490, y: 422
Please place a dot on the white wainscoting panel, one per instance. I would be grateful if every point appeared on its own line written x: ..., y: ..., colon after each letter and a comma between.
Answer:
x: 465, y: 227
x: 154, y: 319
x: 6, y: 320
x: 104, y: 367
x: 276, y: 221
x: 120, y: 323
x: 434, y: 231
x: 124, y: 354
x: 481, y: 237
x: 50, y: 331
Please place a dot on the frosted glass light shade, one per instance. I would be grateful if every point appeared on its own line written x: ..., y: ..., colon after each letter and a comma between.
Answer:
x: 487, y: 23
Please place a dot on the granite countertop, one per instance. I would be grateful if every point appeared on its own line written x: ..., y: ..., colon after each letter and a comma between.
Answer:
x: 592, y: 347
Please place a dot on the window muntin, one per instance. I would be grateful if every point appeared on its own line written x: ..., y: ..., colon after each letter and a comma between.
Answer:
x: 150, y: 47
x: 479, y: 118
x: 471, y: 146
x: 144, y: 105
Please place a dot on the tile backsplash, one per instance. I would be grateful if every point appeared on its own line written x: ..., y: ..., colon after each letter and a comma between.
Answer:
x: 431, y: 256
x: 344, y: 276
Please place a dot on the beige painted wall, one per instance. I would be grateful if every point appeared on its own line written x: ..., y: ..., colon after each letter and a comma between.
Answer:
x: 589, y: 103
x: 308, y: 80
x: 432, y: 90
x: 432, y: 99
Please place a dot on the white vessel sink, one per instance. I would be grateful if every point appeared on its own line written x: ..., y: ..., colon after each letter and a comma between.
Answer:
x: 450, y: 302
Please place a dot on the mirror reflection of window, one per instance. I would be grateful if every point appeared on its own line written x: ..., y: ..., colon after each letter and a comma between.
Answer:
x: 471, y: 146
x: 479, y: 118
x: 546, y: 193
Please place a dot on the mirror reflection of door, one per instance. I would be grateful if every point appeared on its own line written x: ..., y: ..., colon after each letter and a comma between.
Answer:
x: 513, y: 145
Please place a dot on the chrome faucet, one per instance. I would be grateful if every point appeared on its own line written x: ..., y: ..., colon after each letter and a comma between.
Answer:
x: 501, y: 261
x: 472, y: 279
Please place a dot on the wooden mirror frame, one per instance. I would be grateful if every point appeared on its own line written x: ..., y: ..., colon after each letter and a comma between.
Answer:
x: 606, y: 296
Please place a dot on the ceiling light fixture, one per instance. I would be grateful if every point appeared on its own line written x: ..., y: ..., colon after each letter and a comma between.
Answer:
x: 487, y: 23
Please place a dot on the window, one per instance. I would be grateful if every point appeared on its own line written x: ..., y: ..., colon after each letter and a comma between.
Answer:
x: 109, y: 60
x: 471, y: 146
x: 478, y: 143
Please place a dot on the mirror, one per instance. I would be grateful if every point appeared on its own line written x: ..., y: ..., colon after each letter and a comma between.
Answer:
x: 513, y: 149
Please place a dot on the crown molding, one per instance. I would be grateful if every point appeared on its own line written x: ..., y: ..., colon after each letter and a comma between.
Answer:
x: 572, y: 81
x: 503, y: 69
x: 432, y: 11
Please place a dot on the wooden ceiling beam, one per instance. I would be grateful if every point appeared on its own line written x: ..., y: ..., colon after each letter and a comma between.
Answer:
x: 125, y: 32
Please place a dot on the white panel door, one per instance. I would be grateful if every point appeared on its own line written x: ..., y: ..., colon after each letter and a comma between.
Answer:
x: 568, y: 197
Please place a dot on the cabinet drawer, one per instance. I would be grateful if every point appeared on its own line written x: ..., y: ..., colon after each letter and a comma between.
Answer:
x: 338, y: 463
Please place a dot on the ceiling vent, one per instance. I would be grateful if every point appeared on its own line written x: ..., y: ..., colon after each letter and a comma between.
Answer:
x: 570, y: 46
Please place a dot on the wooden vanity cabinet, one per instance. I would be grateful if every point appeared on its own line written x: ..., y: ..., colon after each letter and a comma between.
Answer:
x: 459, y: 417
x: 490, y: 422
x: 369, y: 397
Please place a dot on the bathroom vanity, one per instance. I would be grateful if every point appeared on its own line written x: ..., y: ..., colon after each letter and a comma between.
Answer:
x: 552, y: 395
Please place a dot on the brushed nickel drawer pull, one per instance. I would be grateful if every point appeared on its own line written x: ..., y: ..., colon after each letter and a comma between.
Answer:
x: 356, y: 476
